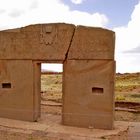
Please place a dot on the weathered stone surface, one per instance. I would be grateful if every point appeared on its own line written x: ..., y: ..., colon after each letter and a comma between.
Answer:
x: 37, y: 42
x: 88, y: 93
x: 92, y: 43
x: 37, y: 89
x: 16, y: 89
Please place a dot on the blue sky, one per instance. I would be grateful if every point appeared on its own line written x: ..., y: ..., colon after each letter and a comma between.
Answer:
x: 121, y: 16
x: 118, y: 11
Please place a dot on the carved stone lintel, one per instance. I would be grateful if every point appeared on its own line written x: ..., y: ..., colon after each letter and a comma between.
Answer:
x: 48, y: 34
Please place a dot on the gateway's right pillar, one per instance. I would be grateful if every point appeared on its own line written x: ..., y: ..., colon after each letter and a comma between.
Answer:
x: 88, y: 80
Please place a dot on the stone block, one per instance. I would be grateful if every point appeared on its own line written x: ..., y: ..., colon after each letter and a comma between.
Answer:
x: 92, y: 43
x: 88, y: 93
x: 37, y: 42
x: 16, y: 89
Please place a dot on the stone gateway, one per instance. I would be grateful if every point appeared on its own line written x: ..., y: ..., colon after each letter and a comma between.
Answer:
x: 87, y: 55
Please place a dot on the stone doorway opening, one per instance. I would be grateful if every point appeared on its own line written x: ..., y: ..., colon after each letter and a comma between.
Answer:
x: 51, y: 88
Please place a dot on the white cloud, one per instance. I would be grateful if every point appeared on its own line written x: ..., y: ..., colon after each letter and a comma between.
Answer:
x: 52, y: 67
x: 127, y: 40
x: 2, y: 11
x: 77, y: 1
x: 9, y: 5
x: 128, y: 63
x: 18, y: 13
x: 34, y: 4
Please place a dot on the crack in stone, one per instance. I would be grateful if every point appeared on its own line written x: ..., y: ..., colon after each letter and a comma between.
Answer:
x: 66, y: 55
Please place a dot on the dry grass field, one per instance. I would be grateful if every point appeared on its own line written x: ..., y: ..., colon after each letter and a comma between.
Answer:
x: 127, y: 87
x: 51, y: 87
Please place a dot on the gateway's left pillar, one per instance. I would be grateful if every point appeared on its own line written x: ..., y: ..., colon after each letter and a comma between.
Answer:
x: 16, y: 75
x: 16, y: 89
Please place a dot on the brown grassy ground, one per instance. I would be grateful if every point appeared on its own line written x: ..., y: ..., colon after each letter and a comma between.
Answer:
x: 128, y: 87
